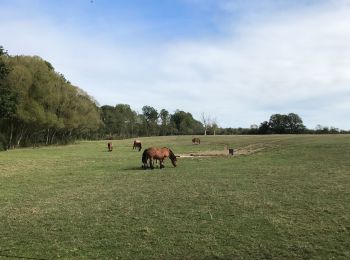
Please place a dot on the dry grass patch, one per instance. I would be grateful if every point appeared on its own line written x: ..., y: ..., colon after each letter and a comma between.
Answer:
x: 246, y: 150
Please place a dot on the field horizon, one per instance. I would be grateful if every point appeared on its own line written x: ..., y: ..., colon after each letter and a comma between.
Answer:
x: 278, y: 197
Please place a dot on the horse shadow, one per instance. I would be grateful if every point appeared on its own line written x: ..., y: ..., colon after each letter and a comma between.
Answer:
x: 134, y: 168
x: 139, y: 168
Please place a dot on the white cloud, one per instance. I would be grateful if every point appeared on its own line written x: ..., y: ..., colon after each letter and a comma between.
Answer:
x: 280, y: 65
x: 291, y: 62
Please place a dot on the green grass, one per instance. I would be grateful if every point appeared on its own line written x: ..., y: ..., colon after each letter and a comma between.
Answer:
x: 288, y: 201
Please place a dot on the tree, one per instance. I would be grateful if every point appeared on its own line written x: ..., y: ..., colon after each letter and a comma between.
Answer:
x: 264, y: 128
x: 184, y: 123
x: 151, y: 116
x: 8, y: 97
x: 282, y: 124
x: 206, y: 121
x: 4, y: 68
x: 45, y: 107
x: 126, y: 118
x: 165, y: 121
x: 278, y: 123
x: 295, y: 124
x: 150, y: 113
x: 214, y: 125
x: 108, y: 120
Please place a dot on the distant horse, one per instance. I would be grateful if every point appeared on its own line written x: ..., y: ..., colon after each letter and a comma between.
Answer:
x: 110, y: 146
x: 196, y: 140
x: 137, y: 144
x: 159, y: 154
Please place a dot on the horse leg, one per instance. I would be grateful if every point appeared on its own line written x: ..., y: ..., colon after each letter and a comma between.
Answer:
x: 151, y: 163
x: 161, y: 164
x: 144, y: 165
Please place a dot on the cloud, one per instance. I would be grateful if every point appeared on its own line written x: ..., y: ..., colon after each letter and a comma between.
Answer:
x: 283, y: 65
x: 278, y: 62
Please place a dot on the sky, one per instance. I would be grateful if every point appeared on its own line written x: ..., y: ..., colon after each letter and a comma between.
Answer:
x: 239, y: 61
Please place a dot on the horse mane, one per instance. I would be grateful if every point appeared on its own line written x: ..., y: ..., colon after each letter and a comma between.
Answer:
x: 172, y: 156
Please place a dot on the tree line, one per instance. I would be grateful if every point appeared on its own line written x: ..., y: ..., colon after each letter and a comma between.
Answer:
x: 121, y: 121
x: 40, y: 106
x: 281, y: 124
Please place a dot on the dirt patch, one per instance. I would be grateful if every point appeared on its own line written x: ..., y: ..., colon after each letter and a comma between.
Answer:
x: 247, y: 150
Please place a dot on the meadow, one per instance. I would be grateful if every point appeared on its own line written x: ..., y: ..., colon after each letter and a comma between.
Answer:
x: 288, y: 199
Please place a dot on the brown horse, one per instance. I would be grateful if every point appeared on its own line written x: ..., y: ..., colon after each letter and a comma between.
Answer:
x: 159, y: 154
x: 137, y: 144
x: 110, y: 146
x: 196, y: 140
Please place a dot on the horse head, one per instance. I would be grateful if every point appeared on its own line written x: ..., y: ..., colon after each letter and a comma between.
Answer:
x: 173, y: 158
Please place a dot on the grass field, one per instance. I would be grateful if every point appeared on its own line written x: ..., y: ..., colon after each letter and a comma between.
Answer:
x: 290, y: 200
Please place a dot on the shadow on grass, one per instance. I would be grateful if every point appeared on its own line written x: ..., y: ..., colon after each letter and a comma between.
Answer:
x: 134, y: 168
x: 140, y: 168
x: 19, y: 257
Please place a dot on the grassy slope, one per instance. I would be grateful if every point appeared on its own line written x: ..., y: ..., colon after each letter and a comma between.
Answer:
x: 289, y: 201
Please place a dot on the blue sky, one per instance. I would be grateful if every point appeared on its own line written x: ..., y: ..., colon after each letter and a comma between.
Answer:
x: 237, y: 60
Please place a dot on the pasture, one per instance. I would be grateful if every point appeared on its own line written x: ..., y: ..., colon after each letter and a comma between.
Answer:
x: 287, y: 199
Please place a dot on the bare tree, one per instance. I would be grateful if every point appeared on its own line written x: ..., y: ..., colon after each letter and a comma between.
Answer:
x: 206, y: 122
x: 214, y: 125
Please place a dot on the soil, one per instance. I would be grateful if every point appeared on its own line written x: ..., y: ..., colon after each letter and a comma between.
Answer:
x: 247, y: 150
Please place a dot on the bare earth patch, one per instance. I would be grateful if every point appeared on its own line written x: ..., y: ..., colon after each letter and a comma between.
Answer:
x: 247, y: 150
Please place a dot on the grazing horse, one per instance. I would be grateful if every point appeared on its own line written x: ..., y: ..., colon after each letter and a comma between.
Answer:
x: 159, y: 154
x: 196, y: 140
x: 137, y: 144
x: 110, y: 146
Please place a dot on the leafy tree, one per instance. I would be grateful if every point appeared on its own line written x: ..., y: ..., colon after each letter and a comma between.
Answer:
x: 151, y: 116
x: 4, y: 68
x: 150, y: 113
x: 109, y: 120
x: 46, y: 108
x: 126, y: 119
x: 119, y: 121
x: 278, y: 123
x: 264, y: 128
x: 165, y: 121
x: 282, y: 124
x: 8, y: 97
x: 184, y: 123
x: 295, y: 124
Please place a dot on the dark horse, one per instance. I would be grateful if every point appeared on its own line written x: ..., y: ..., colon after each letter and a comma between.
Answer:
x: 159, y: 154
x: 137, y: 144
x: 196, y: 140
x: 110, y: 147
